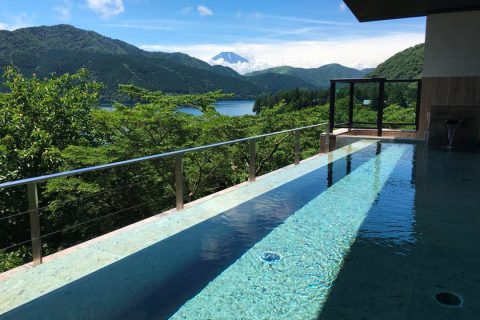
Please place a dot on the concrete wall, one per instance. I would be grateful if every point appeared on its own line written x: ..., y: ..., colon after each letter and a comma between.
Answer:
x: 452, y: 46
x: 451, y: 75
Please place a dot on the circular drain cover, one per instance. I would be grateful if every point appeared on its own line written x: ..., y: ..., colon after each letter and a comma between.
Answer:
x: 270, y: 257
x: 448, y: 299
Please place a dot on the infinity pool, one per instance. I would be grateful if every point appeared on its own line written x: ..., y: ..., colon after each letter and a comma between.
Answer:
x: 374, y: 234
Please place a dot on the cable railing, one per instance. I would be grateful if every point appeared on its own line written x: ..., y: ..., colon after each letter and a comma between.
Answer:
x: 31, y: 184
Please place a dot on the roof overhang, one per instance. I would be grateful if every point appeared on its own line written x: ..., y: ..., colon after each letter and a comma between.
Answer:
x: 372, y: 10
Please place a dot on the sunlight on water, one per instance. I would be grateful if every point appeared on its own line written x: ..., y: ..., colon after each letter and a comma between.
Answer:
x: 311, y: 244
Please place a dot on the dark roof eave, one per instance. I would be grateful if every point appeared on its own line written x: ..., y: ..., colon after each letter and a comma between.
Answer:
x: 374, y: 10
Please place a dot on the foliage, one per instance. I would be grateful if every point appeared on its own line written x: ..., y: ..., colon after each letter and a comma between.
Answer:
x: 400, y: 104
x: 407, y: 64
x: 39, y: 119
x: 274, y: 82
x: 293, y: 100
x: 9, y: 260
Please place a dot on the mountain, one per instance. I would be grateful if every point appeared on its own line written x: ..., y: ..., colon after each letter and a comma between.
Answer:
x: 315, y: 77
x: 274, y: 82
x: 367, y: 70
x: 63, y: 48
x: 229, y: 57
x: 407, y: 64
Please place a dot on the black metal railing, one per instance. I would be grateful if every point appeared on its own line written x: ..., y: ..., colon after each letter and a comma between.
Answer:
x: 379, y: 123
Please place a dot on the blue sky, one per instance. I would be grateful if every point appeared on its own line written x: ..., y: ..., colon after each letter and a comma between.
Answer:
x: 302, y: 33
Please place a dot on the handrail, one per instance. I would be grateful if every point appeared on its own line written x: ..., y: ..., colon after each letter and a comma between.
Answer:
x: 137, y: 160
x: 32, y: 183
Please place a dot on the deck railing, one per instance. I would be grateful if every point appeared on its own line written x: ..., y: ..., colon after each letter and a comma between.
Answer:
x: 379, y: 124
x: 32, y: 183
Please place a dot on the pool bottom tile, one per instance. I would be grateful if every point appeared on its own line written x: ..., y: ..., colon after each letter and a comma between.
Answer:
x: 312, y: 243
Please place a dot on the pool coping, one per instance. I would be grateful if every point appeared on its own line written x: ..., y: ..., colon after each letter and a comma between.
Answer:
x: 169, y: 222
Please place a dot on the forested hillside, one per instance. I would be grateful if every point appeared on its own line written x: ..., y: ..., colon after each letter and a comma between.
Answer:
x: 315, y: 77
x: 65, y: 49
x: 274, y: 82
x: 407, y: 64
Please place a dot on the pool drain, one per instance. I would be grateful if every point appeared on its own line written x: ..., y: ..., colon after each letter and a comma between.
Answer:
x: 270, y: 257
x: 449, y: 299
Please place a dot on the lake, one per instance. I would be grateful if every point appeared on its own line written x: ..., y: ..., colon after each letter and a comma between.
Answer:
x: 229, y: 108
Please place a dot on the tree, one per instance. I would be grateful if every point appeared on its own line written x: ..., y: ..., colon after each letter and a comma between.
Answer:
x: 39, y: 118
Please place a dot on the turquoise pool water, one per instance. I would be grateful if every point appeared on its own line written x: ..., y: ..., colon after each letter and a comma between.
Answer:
x: 312, y: 243
x: 366, y: 237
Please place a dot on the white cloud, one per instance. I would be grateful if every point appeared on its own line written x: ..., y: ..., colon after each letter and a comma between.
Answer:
x: 21, y: 20
x: 106, y: 8
x: 342, y: 6
x: 64, y: 11
x: 359, y: 53
x: 204, y: 11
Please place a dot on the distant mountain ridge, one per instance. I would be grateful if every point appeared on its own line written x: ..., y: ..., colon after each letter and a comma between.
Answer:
x: 230, y: 57
x: 315, y: 77
x: 65, y: 49
x: 274, y: 82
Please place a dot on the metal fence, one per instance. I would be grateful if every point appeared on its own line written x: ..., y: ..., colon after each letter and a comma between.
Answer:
x: 32, y: 183
x: 379, y: 124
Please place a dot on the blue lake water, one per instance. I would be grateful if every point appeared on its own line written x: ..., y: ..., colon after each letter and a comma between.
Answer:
x: 232, y: 108
x: 229, y: 108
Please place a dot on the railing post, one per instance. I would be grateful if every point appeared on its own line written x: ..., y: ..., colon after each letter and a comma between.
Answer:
x: 350, y: 105
x: 297, y: 147
x: 381, y: 104
x: 325, y: 140
x: 252, y: 160
x: 328, y: 132
x: 333, y: 90
x: 179, y: 180
x: 34, y: 215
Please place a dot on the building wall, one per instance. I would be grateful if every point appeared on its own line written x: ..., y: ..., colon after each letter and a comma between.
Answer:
x: 452, y: 45
x: 451, y: 75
